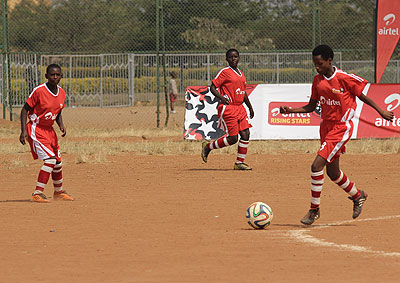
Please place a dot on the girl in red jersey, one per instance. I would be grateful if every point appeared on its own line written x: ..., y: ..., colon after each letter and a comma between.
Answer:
x: 229, y: 86
x: 43, y: 106
x: 336, y: 92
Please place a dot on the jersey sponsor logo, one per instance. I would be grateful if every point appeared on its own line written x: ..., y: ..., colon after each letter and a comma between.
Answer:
x: 330, y: 102
x: 292, y: 119
x: 388, y: 19
x: 337, y: 91
x: 50, y: 115
x: 239, y: 91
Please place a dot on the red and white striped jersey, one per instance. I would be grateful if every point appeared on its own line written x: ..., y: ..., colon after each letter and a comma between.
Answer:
x: 337, y: 94
x: 231, y: 85
x: 45, y: 105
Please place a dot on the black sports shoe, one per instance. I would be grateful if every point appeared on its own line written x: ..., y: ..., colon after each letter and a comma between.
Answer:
x: 311, y: 216
x: 204, y: 151
x: 358, y: 203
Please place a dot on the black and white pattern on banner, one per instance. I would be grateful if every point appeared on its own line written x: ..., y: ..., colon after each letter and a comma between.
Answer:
x: 201, y: 115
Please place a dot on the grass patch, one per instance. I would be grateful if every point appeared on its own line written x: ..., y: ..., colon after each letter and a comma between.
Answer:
x: 95, y: 145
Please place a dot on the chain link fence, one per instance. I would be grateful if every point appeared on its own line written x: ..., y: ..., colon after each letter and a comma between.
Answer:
x: 108, y: 49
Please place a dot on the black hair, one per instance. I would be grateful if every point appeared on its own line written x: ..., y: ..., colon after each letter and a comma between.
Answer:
x: 52, y: 66
x: 324, y: 50
x: 231, y: 50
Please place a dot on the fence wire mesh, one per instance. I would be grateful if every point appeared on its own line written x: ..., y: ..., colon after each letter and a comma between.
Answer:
x: 107, y: 48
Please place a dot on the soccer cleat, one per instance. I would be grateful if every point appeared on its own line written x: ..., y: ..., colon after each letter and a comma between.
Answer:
x: 205, y: 151
x: 63, y: 195
x: 241, y: 166
x: 41, y: 198
x: 358, y: 203
x: 311, y: 216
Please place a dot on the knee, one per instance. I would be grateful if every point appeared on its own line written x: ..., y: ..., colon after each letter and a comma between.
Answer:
x: 333, y: 174
x: 232, y: 139
x: 316, y: 167
x: 245, y: 135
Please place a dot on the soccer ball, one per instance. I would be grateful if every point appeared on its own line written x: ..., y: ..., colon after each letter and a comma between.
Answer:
x: 259, y: 215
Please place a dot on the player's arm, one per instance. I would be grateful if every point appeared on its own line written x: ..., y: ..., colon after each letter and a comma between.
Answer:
x: 248, y: 104
x: 387, y: 115
x: 215, y: 92
x: 23, y: 116
x: 310, y: 107
x: 60, y: 123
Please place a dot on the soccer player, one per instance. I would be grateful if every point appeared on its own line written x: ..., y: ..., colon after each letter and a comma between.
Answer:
x: 336, y: 92
x: 229, y: 86
x: 43, y: 106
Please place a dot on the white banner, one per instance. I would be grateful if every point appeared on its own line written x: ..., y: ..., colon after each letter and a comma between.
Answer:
x: 201, y: 113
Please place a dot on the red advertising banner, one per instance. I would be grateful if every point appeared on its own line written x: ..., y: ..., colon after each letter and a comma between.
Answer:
x: 387, y: 33
x: 292, y: 119
x: 371, y: 124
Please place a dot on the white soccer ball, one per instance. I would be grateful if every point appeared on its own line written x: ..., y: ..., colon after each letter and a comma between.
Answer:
x: 259, y: 215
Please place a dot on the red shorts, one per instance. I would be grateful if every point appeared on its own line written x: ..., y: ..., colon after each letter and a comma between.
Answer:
x: 173, y: 97
x: 43, y: 142
x: 334, y: 136
x: 232, y: 119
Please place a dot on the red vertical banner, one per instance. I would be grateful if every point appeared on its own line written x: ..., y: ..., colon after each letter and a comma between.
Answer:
x: 387, y: 33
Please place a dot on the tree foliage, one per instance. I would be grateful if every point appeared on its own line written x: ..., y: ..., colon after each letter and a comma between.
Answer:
x: 201, y: 25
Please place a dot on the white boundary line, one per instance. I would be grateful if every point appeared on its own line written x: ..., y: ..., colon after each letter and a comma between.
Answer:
x: 301, y: 235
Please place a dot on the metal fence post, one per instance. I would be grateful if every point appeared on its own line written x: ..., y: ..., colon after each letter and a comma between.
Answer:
x: 208, y: 70
x: 101, y: 79
x: 131, y: 79
x: 70, y: 81
x: 277, y: 68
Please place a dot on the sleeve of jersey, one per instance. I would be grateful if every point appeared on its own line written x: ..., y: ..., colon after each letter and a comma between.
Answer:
x: 355, y: 84
x: 314, y: 92
x: 219, y: 79
x: 32, y: 99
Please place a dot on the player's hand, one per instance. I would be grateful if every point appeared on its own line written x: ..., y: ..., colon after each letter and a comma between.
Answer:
x: 251, y: 113
x: 224, y: 101
x: 63, y: 131
x: 387, y: 115
x: 284, y: 109
x: 23, y: 137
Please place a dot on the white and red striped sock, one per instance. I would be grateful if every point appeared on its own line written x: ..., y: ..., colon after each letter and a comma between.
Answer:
x: 242, y: 151
x: 56, y: 175
x: 348, y: 186
x: 44, y: 175
x: 219, y: 143
x: 317, y: 181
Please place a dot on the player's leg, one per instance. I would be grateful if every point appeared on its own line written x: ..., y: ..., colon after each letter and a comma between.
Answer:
x: 218, y: 143
x: 244, y: 126
x: 43, y: 178
x: 317, y: 182
x: 339, y: 177
x: 242, y: 150
x: 57, y: 175
x: 39, y: 140
x: 229, y: 124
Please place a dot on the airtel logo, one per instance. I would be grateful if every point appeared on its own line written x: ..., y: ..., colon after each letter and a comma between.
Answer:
x: 275, y: 112
x: 49, y: 116
x: 394, y: 97
x: 389, y: 19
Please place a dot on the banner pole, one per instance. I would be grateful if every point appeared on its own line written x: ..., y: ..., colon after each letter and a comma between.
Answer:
x: 375, y: 38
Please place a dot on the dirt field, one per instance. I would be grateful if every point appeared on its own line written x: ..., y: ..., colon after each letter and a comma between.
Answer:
x: 170, y: 218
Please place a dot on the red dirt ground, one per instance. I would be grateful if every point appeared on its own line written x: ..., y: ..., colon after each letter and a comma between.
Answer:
x: 174, y: 219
